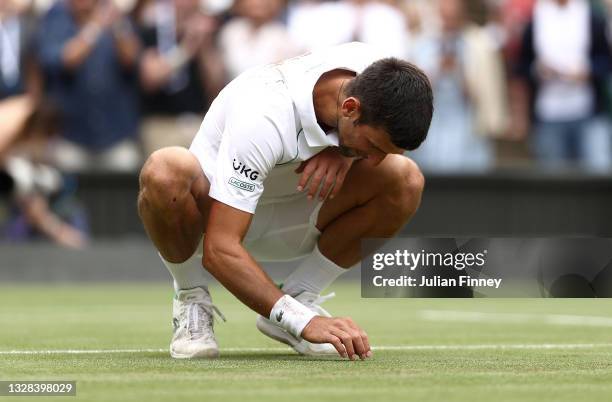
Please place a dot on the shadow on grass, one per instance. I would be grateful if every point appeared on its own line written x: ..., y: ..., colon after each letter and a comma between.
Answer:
x: 236, y: 356
x: 275, y: 356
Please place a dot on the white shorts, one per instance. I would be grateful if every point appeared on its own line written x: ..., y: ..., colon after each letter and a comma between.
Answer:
x: 282, y: 231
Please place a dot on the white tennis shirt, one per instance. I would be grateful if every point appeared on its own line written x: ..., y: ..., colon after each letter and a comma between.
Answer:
x: 263, y: 124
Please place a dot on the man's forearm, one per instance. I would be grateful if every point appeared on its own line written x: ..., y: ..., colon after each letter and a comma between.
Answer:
x: 127, y: 43
x: 241, y: 275
x: 78, y: 48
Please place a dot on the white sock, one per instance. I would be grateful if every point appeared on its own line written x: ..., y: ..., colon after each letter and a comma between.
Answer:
x: 314, y: 274
x: 188, y: 274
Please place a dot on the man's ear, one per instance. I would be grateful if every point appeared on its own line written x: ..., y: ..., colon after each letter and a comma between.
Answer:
x: 351, y: 107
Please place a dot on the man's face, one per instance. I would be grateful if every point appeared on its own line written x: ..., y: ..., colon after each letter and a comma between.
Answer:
x: 362, y: 140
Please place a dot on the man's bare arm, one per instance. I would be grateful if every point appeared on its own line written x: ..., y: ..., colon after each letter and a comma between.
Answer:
x: 228, y: 261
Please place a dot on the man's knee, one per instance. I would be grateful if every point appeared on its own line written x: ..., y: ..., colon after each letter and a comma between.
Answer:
x: 167, y: 175
x: 405, y: 187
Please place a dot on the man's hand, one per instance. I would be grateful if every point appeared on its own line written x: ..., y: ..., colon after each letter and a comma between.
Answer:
x: 348, y: 339
x: 197, y: 33
x: 106, y: 14
x: 328, y: 165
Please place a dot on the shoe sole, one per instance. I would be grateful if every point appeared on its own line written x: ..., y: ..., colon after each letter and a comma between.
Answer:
x: 278, y: 334
x: 202, y: 354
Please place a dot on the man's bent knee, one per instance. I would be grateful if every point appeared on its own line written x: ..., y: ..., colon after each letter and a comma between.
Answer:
x: 405, y: 187
x: 171, y: 185
x: 167, y: 177
x: 169, y: 168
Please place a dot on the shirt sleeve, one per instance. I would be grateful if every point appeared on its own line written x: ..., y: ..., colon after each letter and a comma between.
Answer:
x: 250, y: 147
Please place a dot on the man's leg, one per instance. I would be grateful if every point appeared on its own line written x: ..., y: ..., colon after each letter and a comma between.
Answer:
x: 173, y: 204
x: 374, y: 202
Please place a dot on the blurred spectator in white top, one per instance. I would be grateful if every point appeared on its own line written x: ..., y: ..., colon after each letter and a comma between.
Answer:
x: 29, y: 181
x: 180, y: 71
x: 18, y: 72
x: 255, y: 36
x: 565, y: 57
x: 88, y: 51
x: 467, y: 75
x: 315, y: 24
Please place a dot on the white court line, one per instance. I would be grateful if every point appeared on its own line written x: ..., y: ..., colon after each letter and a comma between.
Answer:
x: 516, y: 318
x: 375, y: 348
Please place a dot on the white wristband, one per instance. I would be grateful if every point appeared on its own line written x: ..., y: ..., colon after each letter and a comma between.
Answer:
x: 291, y: 315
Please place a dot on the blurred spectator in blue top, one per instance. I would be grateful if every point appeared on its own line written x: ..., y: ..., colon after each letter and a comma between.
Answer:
x: 88, y: 51
x: 18, y: 73
x: 180, y: 70
x: 565, y: 57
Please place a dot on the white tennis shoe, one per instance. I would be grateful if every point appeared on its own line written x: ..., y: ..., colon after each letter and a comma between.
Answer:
x: 299, y: 344
x: 192, y: 318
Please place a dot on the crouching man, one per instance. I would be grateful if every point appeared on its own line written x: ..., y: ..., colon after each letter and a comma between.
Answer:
x: 298, y: 159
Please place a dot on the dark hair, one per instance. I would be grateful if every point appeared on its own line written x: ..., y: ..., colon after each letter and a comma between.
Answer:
x: 397, y: 97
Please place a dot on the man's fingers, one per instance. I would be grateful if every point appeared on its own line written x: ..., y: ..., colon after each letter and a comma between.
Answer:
x: 338, y: 184
x: 347, y: 338
x: 337, y: 343
x: 300, y: 168
x: 355, y: 332
x: 362, y: 334
x: 327, y: 185
x: 360, y: 338
x: 315, y: 181
x: 347, y: 341
x: 366, y: 343
x: 306, y: 169
x: 360, y: 348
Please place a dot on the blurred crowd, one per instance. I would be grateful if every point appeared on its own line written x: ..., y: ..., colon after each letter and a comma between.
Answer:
x: 97, y: 85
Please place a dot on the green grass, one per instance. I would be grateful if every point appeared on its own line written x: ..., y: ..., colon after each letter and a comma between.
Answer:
x: 138, y: 317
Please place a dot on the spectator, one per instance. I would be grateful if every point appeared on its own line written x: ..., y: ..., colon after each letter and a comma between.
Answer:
x: 565, y: 58
x: 515, y: 15
x: 88, y: 51
x: 18, y: 73
x: 469, y: 93
x: 255, y: 37
x: 180, y: 71
x: 24, y: 133
x: 321, y: 24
